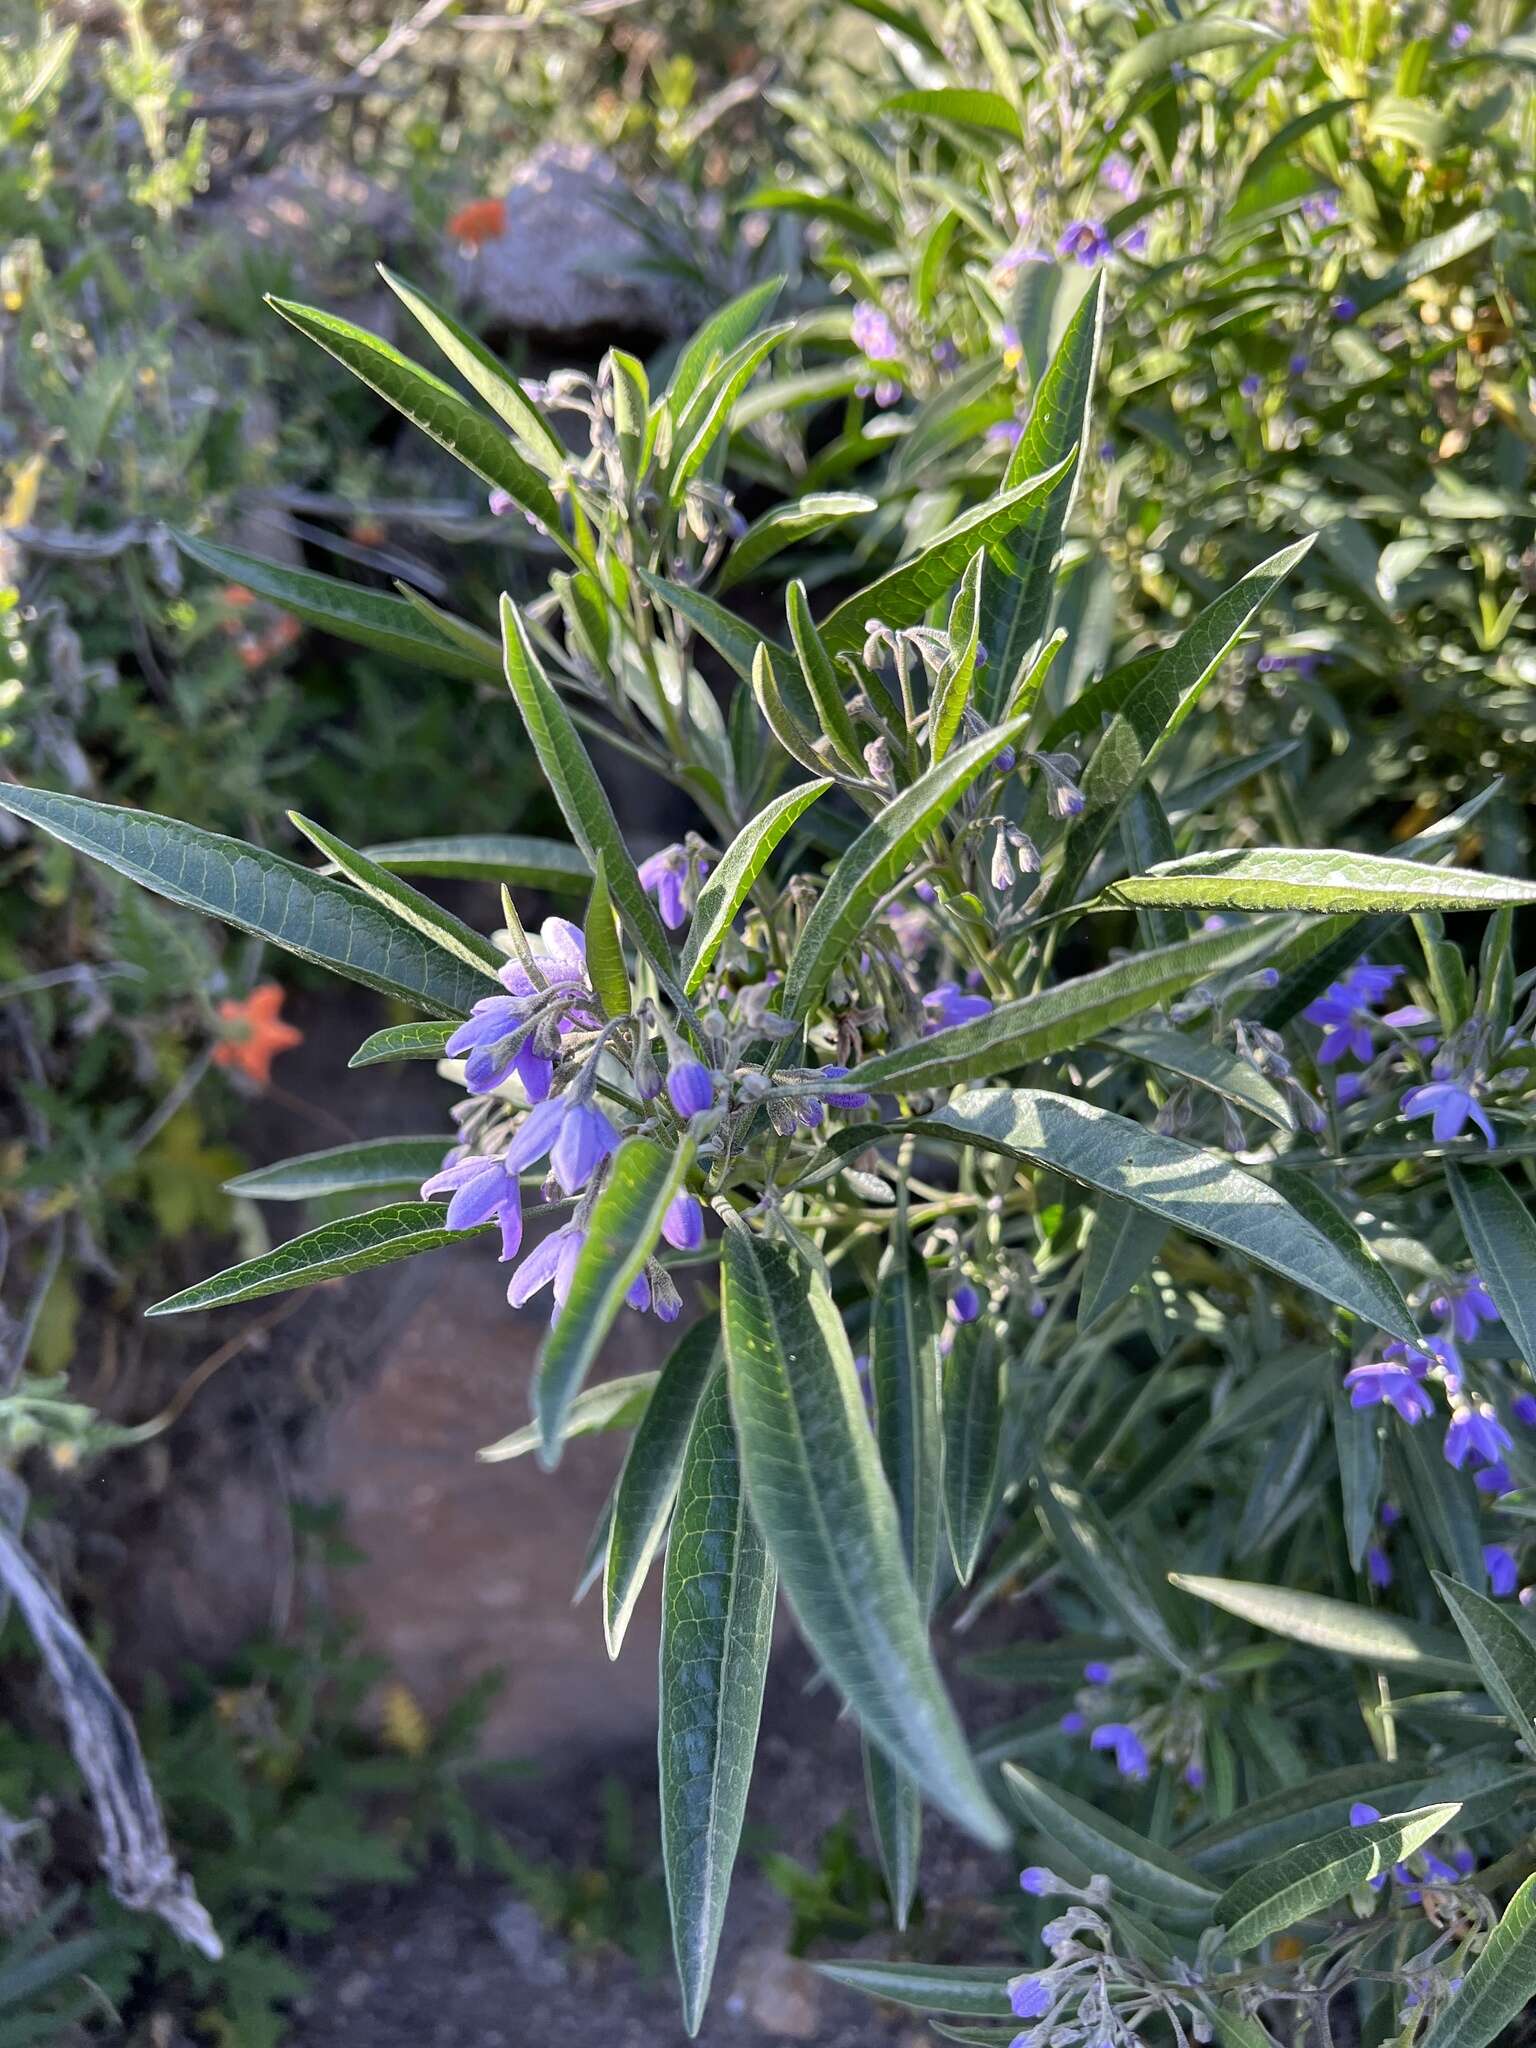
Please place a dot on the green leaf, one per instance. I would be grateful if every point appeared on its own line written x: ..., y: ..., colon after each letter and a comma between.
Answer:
x: 1288, y: 878
x: 621, y: 1234
x: 707, y: 415
x: 611, y: 1404
x: 427, y: 402
x: 1303, y: 1881
x: 1358, y: 1447
x: 821, y: 679
x: 1155, y: 1875
x: 962, y: 106
x: 952, y: 691
x: 1504, y: 1654
x: 403, y: 1042
x: 1388, y: 1642
x: 1057, y: 1019
x: 822, y: 1503
x: 651, y: 1473
x: 1018, y: 585
x: 1123, y: 1243
x: 972, y: 1410
x: 1499, y: 1986
x: 1224, y: 1072
x: 716, y: 1632
x: 978, y: 1991
x: 896, y: 1822
x: 902, y: 598
x: 1502, y: 1240
x: 353, y: 1244
x: 605, y: 956
x: 1201, y: 1191
x: 582, y: 799
x: 437, y: 926
x: 1092, y: 1552
x: 479, y: 368
x: 1154, y: 55
x: 727, y: 885
x: 521, y: 863
x: 343, y: 1169
x: 258, y: 892
x: 391, y: 625
x: 1433, y: 253
x: 721, y: 332
x: 904, y: 1378
x: 876, y: 861
x: 784, y: 525
x: 1314, y: 1205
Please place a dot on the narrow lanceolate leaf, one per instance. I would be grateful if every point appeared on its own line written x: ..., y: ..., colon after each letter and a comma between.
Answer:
x: 403, y: 1042
x: 716, y: 1632
x: 437, y: 926
x: 1290, y: 878
x: 960, y: 105
x: 1130, y: 1862
x: 256, y: 891
x: 612, y: 1404
x: 1500, y: 1985
x: 785, y: 525
x: 1316, y: 1206
x: 622, y: 1231
x: 822, y: 679
x: 344, y: 1169
x: 1209, y: 1066
x: 582, y: 799
x: 651, y: 1471
x: 390, y: 625
x: 721, y: 332
x: 822, y: 1503
x: 902, y: 598
x: 1304, y: 1881
x: 896, y: 1822
x: 605, y: 955
x: 490, y: 857
x: 1389, y: 1642
x: 707, y: 415
x: 1502, y: 1240
x: 728, y: 884
x: 427, y: 402
x: 1201, y: 1191
x: 1105, y: 1570
x: 974, y: 1991
x: 1358, y: 1448
x: 351, y: 1245
x: 1018, y: 583
x: 1056, y: 1019
x: 904, y: 1377
x: 1504, y: 1654
x: 876, y: 861
x: 957, y: 680
x: 1124, y: 1242
x: 495, y: 383
x: 972, y: 1409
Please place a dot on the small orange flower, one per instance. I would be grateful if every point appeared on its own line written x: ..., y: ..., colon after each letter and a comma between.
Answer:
x: 483, y: 220
x: 256, y: 1033
x: 237, y: 595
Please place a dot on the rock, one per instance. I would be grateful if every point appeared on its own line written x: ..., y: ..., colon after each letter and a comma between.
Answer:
x: 313, y: 219
x: 522, y: 1934
x: 778, y: 1993
x: 565, y: 263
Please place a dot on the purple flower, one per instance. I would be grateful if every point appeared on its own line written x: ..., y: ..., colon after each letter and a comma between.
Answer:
x: 1461, y: 35
x: 500, y: 503
x: 1097, y: 1672
x: 948, y: 1005
x: 1451, y: 1104
x: 841, y: 1098
x: 1299, y: 363
x: 1494, y: 1480
x: 1503, y: 1572
x: 480, y: 1189
x: 553, y: 1258
x: 1130, y: 1756
x: 1039, y: 1882
x: 576, y: 1134
x: 690, y: 1085
x: 1194, y: 1775
x: 1395, y: 1381
x: 683, y: 1224
x: 872, y: 334
x: 1119, y: 173
x: 965, y: 1303
x: 1085, y: 241
x: 1378, y: 1567
x: 1004, y: 434
x: 1523, y: 1409
x: 1391, y: 1515
x: 664, y: 875
x: 1321, y: 210
x: 1361, y: 1815
x: 1133, y: 242
x: 1073, y: 1723
x: 1346, y: 1011
x: 1476, y: 1432
x: 1468, y: 1304
x: 1344, y: 308
x: 945, y: 355
x: 1030, y: 1998
x: 1251, y: 385
x: 495, y: 1043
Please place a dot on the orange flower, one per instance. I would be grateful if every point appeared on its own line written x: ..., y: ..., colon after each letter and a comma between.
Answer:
x: 483, y: 220
x: 256, y: 1034
x: 237, y: 595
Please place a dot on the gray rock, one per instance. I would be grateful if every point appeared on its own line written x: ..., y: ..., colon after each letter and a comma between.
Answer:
x: 533, y: 1950
x: 566, y: 263
x: 778, y: 1993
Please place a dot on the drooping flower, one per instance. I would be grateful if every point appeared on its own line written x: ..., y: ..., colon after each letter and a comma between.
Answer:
x: 1118, y: 173
x: 1476, y: 1432
x: 841, y: 1098
x: 1097, y: 1672
x: 1452, y: 1104
x: 872, y: 334
x: 1072, y: 1723
x: 1130, y: 1753
x: 1030, y: 1998
x: 1344, y: 308
x: 553, y: 1259
x: 1494, y: 1480
x: 665, y: 875
x: 480, y: 1189
x: 949, y: 1004
x: 690, y: 1086
x: 1004, y: 434
x: 1503, y: 1572
x: 1320, y: 209
x: 1468, y: 1305
x: 1085, y: 241
x: 1378, y: 1567
x: 1346, y: 1012
x: 683, y: 1224
x: 576, y: 1134
x: 1523, y: 1408
x: 1194, y: 1775
x: 255, y: 1033
x: 497, y: 1040
x: 1394, y: 1379
x: 1361, y: 1815
x: 1251, y: 385
x: 1039, y: 1882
